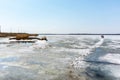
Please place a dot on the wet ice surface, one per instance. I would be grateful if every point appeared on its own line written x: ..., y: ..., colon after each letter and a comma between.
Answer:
x: 61, y: 58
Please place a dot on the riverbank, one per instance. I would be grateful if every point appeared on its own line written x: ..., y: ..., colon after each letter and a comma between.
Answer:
x: 7, y: 34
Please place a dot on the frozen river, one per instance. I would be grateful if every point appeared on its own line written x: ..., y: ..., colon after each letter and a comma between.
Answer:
x: 61, y: 58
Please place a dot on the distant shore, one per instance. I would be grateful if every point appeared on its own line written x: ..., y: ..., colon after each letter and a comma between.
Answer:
x: 7, y: 34
x: 80, y: 34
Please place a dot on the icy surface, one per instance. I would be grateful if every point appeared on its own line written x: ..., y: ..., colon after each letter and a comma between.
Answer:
x: 61, y: 58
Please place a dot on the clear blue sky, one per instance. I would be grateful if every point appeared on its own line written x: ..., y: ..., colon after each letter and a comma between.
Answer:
x: 60, y: 16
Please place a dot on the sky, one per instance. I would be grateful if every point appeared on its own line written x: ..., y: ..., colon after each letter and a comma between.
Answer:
x: 60, y: 16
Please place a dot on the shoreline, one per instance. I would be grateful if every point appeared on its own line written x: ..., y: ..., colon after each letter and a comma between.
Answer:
x: 80, y: 34
x: 8, y: 34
